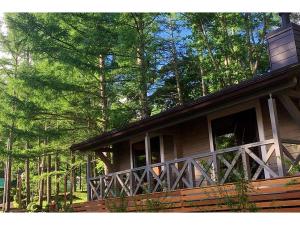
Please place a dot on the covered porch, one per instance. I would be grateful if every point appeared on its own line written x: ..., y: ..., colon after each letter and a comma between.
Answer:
x: 258, y: 156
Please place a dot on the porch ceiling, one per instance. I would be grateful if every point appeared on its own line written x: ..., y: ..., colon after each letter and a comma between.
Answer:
x: 256, y: 87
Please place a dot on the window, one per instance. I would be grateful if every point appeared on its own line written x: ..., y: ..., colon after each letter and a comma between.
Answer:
x: 139, y: 152
x: 235, y: 129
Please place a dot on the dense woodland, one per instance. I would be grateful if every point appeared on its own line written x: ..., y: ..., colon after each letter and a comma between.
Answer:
x: 65, y: 77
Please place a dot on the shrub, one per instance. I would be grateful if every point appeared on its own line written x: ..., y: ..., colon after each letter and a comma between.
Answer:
x: 34, y: 207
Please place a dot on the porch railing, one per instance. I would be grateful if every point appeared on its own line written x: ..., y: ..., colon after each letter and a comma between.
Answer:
x: 253, y: 161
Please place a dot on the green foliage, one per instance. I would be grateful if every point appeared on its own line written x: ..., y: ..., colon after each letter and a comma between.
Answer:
x: 34, y: 207
x: 238, y: 202
x: 117, y: 205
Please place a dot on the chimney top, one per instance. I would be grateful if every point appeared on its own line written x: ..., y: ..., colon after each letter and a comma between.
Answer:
x: 284, y: 44
x: 285, y: 19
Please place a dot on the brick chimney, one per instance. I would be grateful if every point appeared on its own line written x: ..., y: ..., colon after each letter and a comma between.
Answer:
x: 284, y: 44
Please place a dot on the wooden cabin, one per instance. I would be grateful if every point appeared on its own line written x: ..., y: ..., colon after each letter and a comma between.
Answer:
x: 251, y: 129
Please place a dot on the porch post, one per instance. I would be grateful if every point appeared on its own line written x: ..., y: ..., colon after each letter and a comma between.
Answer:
x: 162, y: 148
x: 88, y: 174
x: 148, y: 160
x: 147, y: 149
x: 261, y: 133
x: 276, y: 135
x: 215, y: 168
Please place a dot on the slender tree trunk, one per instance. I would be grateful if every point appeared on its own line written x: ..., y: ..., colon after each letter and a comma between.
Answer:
x: 142, y: 65
x: 49, y: 179
x: 66, y: 186
x: 8, y: 172
x: 103, y: 95
x: 42, y: 183
x: 57, y: 176
x: 248, y: 42
x: 80, y: 177
x: 4, y: 191
x: 203, y: 87
x: 39, y: 174
x: 207, y: 44
x: 19, y: 192
x: 175, y: 64
x: 27, y: 172
x: 72, y: 178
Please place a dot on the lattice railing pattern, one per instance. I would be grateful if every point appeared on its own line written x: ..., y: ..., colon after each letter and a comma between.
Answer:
x: 218, y: 167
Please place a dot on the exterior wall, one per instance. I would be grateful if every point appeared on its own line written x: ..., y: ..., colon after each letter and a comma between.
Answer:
x: 193, y: 137
x: 121, y: 156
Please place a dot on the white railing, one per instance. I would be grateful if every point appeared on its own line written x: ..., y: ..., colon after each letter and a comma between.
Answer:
x: 252, y: 161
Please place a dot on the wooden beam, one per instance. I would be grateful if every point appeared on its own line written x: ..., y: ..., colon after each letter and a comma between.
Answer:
x: 148, y: 161
x: 147, y: 149
x: 290, y: 107
x: 276, y: 135
x: 215, y: 166
x: 261, y: 133
x: 162, y: 148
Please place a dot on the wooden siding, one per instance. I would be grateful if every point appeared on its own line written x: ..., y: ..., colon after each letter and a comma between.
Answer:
x: 194, y: 137
x: 122, y: 156
x: 284, y: 46
x: 274, y: 195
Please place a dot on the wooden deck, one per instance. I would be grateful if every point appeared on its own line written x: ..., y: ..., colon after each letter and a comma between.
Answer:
x: 273, y: 195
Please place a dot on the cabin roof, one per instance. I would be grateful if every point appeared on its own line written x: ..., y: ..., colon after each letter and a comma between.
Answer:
x: 259, y: 84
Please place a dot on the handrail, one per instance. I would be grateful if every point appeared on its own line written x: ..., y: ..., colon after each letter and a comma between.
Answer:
x: 130, y: 180
x: 194, y: 156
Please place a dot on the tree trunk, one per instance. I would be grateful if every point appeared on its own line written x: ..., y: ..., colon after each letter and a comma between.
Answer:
x: 56, y: 176
x: 42, y: 183
x: 39, y: 173
x: 66, y: 186
x: 49, y: 179
x: 27, y: 172
x: 103, y: 96
x: 4, y: 191
x: 19, y: 192
x: 175, y: 63
x: 8, y: 173
x: 203, y: 87
x: 72, y: 178
x: 141, y: 64
x: 80, y: 177
x: 248, y: 41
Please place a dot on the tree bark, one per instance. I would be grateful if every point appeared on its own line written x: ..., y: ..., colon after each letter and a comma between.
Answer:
x: 19, y: 192
x: 141, y: 64
x: 56, y: 176
x: 103, y: 95
x: 49, y: 178
x: 4, y: 191
x: 175, y: 64
x: 80, y: 177
x: 66, y: 186
x: 8, y: 171
x: 42, y: 183
x: 27, y: 172
x: 106, y: 161
x: 72, y: 178
x: 248, y: 42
